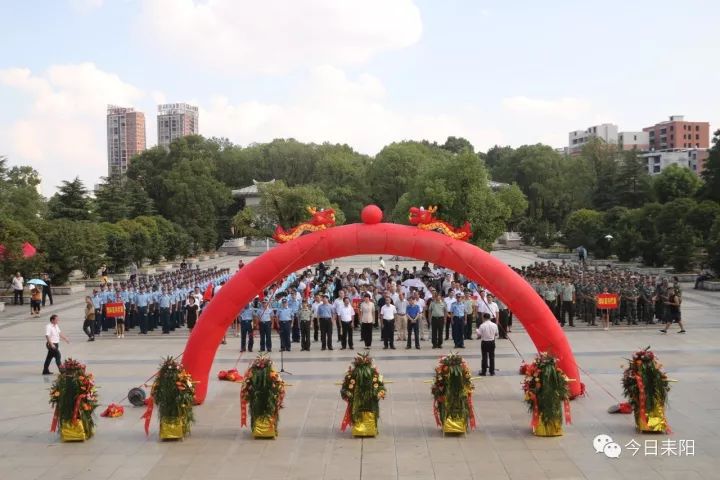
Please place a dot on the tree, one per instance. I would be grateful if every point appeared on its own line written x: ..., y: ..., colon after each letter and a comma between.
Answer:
x: 514, y: 198
x: 701, y: 218
x: 246, y: 224
x: 458, y: 145
x: 459, y: 187
x: 71, y: 201
x: 19, y: 197
x: 680, y: 249
x: 713, y: 247
x: 340, y: 173
x: 394, y: 169
x: 711, y: 171
x: 645, y: 219
x: 287, y: 206
x: 585, y: 227
x: 140, y: 240
x: 111, y: 199
x: 70, y: 245
x: 118, y: 253
x: 602, y: 159
x: 633, y: 186
x: 675, y: 182
x: 13, y: 234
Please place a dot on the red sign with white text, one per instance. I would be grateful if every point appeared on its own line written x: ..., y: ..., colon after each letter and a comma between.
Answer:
x: 607, y: 301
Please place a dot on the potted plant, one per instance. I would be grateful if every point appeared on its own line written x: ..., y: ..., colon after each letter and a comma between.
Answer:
x: 362, y: 388
x: 452, y: 390
x: 74, y: 397
x: 547, y: 395
x: 263, y: 392
x: 173, y: 391
x: 646, y: 387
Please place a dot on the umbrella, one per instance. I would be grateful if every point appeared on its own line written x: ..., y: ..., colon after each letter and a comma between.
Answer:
x: 37, y: 281
x: 414, y: 282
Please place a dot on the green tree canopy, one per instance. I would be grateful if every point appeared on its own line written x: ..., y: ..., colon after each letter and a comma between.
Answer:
x: 675, y: 182
x: 71, y: 202
x: 287, y: 206
x: 711, y: 173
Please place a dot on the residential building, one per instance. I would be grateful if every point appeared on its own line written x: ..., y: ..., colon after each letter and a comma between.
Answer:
x: 690, y: 158
x: 125, y: 137
x: 176, y: 120
x: 607, y: 132
x: 678, y: 133
x: 634, y: 141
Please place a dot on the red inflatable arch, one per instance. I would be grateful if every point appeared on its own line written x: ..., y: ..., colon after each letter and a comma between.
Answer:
x: 380, y: 238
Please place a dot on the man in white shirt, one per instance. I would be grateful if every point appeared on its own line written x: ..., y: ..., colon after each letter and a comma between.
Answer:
x: 336, y: 306
x: 488, y: 332
x: 493, y: 307
x: 18, y: 284
x: 52, y: 343
x: 387, y: 313
x: 346, y: 312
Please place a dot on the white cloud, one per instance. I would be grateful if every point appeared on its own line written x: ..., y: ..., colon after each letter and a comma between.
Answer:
x: 62, y: 132
x: 566, y: 107
x: 278, y: 36
x: 331, y: 107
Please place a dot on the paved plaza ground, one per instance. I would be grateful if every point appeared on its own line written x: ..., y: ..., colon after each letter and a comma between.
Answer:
x: 409, y: 445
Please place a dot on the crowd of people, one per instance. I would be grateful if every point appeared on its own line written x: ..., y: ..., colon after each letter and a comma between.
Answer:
x: 164, y: 301
x: 570, y: 291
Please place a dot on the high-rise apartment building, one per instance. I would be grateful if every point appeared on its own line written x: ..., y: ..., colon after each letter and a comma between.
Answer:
x: 607, y: 132
x: 678, y: 133
x: 176, y: 120
x: 125, y: 137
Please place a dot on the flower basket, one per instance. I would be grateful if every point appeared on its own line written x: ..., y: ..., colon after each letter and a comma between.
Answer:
x: 646, y: 387
x: 452, y: 390
x: 263, y: 393
x: 362, y: 388
x: 547, y: 396
x: 74, y: 398
x: 173, y: 391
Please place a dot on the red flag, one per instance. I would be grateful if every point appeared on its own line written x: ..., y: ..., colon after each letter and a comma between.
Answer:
x: 28, y: 250
x: 207, y: 296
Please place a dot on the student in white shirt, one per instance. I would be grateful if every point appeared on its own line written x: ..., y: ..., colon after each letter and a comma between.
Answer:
x: 52, y: 343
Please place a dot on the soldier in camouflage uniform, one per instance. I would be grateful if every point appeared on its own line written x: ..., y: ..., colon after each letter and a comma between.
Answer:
x: 646, y: 302
x: 630, y: 296
x: 590, y: 292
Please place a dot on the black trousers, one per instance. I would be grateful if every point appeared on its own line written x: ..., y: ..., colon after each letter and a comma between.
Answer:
x: 326, y: 332
x: 448, y: 322
x: 569, y: 308
x: 346, y: 338
x: 18, y: 297
x: 504, y: 317
x: 265, y: 339
x: 389, y: 337
x: 436, y: 329
x: 46, y: 292
x: 316, y: 328
x: 366, y: 331
x: 88, y: 328
x: 469, y: 327
x: 305, y: 335
x: 246, y: 335
x: 285, y: 335
x: 52, y: 353
x: 488, y: 356
x: 339, y: 328
x: 413, y: 327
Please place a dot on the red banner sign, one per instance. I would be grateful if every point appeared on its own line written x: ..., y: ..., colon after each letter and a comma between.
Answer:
x: 607, y: 301
x: 115, y: 310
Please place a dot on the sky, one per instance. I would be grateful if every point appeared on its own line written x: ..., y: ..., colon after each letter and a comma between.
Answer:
x: 361, y: 72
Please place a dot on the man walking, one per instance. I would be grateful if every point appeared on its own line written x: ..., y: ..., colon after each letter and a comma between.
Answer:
x: 488, y: 333
x: 52, y: 343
